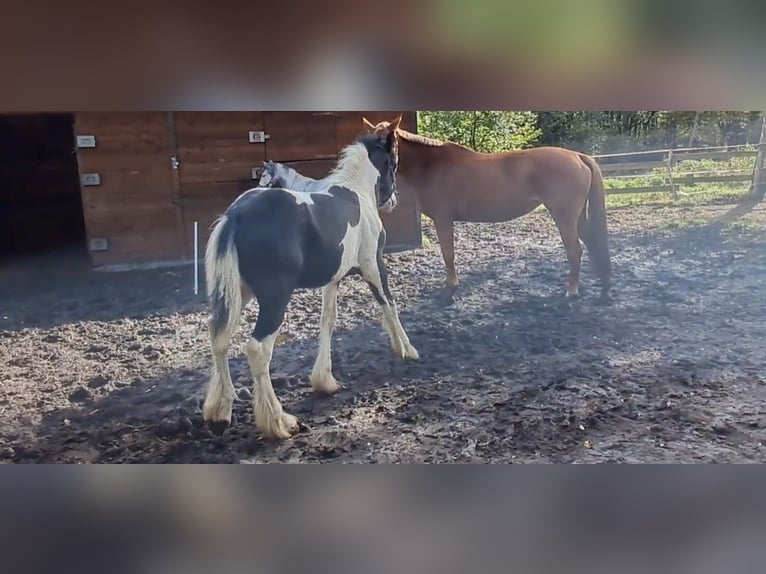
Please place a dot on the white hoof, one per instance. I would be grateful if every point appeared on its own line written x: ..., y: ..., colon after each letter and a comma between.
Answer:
x: 280, y: 427
x: 411, y: 353
x: 326, y: 384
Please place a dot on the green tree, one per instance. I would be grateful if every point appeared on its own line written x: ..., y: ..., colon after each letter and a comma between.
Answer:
x: 486, y: 131
x: 614, y: 131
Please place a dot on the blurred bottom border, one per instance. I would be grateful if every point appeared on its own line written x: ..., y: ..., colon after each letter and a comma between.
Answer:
x: 149, y: 520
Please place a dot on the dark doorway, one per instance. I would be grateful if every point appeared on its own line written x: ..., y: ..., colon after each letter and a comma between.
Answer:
x: 41, y: 211
x: 42, y: 227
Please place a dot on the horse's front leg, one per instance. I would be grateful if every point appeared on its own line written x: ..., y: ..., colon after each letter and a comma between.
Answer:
x: 322, y: 379
x: 374, y: 273
x: 445, y: 232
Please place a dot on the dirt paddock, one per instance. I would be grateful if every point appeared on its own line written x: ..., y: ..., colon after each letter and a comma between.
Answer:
x: 111, y: 367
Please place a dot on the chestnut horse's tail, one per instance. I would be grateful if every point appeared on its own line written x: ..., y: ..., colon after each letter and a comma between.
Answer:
x: 593, y: 227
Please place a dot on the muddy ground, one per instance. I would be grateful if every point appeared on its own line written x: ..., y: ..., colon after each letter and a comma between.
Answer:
x: 111, y: 367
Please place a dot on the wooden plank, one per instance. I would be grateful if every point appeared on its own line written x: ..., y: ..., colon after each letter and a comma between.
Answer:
x: 647, y: 189
x: 131, y: 120
x: 719, y: 156
x: 687, y: 180
x: 211, y: 129
x: 214, y: 191
x: 153, y: 184
x: 123, y: 132
x: 96, y: 200
x: 630, y: 166
x: 130, y: 219
x: 300, y: 136
x: 90, y: 161
x: 223, y: 169
x: 149, y: 245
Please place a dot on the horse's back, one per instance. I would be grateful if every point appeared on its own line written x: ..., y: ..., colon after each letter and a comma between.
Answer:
x: 473, y: 186
x: 293, y: 234
x: 267, y: 229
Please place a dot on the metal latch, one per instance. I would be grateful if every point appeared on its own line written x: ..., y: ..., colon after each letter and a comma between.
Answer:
x: 99, y: 244
x: 90, y: 179
x: 258, y: 136
x: 86, y: 141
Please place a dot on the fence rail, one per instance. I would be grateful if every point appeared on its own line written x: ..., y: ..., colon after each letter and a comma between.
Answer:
x: 665, y: 164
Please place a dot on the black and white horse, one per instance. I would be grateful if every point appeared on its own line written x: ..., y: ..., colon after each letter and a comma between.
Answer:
x: 272, y: 241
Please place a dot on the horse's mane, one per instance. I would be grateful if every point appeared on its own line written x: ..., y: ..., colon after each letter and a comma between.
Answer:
x: 429, y: 142
x: 417, y: 138
x: 349, y: 162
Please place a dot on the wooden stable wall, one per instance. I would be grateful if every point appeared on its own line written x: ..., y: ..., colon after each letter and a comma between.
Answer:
x: 146, y: 177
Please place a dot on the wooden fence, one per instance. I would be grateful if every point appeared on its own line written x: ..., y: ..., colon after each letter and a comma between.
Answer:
x: 642, y: 169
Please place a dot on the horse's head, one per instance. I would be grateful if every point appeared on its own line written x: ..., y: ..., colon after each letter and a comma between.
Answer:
x: 383, y: 148
x: 383, y: 128
x: 268, y: 175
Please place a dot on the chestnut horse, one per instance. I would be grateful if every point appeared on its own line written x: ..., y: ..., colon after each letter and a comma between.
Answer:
x: 454, y: 183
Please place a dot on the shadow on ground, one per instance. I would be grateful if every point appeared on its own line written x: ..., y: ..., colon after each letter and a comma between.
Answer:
x: 672, y: 370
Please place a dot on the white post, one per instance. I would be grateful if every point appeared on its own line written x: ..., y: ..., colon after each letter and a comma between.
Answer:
x: 196, y: 258
x: 758, y: 188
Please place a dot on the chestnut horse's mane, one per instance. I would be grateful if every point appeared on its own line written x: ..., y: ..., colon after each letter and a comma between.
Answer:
x: 415, y: 138
x: 429, y: 142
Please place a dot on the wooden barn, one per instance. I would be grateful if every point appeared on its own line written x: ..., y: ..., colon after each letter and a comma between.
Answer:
x: 125, y: 188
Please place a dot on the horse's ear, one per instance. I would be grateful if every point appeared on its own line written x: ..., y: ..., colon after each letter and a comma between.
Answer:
x: 366, y: 123
x: 394, y: 125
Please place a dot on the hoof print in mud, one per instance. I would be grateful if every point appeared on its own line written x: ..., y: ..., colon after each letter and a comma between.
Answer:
x: 217, y: 427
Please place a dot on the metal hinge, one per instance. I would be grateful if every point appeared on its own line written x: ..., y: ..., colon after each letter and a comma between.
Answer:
x: 256, y: 172
x: 86, y: 141
x: 90, y: 179
x: 174, y: 163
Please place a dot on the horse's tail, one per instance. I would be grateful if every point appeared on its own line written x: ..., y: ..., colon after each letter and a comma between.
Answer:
x: 223, y: 282
x: 594, y: 231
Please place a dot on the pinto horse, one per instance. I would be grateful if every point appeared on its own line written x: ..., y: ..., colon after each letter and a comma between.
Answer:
x: 272, y: 241
x: 454, y: 183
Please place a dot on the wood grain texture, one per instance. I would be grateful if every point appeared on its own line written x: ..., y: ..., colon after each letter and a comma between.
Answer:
x: 146, y: 209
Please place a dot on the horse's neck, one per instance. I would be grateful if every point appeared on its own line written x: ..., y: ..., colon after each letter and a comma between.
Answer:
x: 416, y: 160
x: 357, y: 184
x: 298, y: 181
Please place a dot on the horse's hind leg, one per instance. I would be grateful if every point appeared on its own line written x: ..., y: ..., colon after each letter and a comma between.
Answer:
x: 270, y: 419
x: 445, y: 231
x: 216, y: 409
x: 219, y: 399
x: 567, y: 225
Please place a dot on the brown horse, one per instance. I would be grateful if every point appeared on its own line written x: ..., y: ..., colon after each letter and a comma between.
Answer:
x: 454, y: 183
